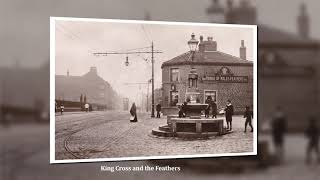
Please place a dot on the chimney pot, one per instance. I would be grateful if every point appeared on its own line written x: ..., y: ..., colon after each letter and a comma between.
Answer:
x: 243, y: 51
x: 93, y: 70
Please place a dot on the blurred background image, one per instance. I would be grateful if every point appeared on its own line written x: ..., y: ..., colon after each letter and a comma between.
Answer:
x: 288, y: 86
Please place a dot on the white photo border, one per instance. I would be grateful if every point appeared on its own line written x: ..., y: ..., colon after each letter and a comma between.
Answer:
x: 52, y: 89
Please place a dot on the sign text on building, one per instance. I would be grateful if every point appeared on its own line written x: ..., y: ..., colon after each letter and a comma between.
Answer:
x: 231, y: 79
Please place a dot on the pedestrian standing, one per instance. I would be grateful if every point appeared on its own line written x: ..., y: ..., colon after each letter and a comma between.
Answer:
x: 86, y: 106
x: 158, y: 108
x: 229, y: 113
x: 61, y: 108
x: 248, y: 114
x: 133, y: 112
x: 312, y: 133
x: 279, y: 128
x: 214, y: 109
x: 207, y: 110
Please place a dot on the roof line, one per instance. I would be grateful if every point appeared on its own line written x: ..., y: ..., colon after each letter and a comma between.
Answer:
x: 207, y: 63
x: 234, y: 56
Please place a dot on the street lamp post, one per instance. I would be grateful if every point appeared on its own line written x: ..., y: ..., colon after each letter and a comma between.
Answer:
x: 193, y: 44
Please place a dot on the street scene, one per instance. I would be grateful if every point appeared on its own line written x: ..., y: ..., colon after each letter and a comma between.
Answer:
x: 289, y: 77
x: 93, y: 135
x: 191, y: 97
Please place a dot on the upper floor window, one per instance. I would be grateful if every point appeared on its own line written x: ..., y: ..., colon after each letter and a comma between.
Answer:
x: 174, y: 74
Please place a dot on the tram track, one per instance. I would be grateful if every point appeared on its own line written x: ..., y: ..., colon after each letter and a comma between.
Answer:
x: 113, y: 140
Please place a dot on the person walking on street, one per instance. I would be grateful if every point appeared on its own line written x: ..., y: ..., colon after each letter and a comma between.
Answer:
x: 312, y: 132
x: 158, y: 108
x: 86, y: 106
x: 279, y: 128
x: 133, y: 112
x: 248, y: 114
x: 214, y: 109
x: 229, y: 113
x: 61, y: 108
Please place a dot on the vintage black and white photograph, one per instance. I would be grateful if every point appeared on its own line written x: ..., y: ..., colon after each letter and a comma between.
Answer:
x: 131, y: 90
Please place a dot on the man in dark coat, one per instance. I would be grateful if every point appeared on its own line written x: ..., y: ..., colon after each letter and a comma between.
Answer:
x: 61, y: 108
x: 279, y: 128
x: 208, y: 102
x: 133, y: 112
x: 312, y: 132
x: 248, y: 114
x: 229, y: 113
x: 158, y: 108
x: 214, y: 109
x: 183, y: 109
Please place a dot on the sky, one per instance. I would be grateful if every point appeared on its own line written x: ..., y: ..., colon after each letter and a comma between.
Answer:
x: 76, y: 41
x: 24, y: 32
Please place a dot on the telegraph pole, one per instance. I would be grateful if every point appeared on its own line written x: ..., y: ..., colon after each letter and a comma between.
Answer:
x: 152, y: 52
x: 152, y: 79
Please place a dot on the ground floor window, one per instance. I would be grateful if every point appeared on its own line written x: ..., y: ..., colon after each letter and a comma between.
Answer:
x: 174, y: 96
x: 211, y: 93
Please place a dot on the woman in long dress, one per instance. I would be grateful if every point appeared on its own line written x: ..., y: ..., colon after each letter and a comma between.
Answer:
x: 133, y: 112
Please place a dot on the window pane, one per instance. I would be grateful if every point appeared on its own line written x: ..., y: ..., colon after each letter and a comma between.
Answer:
x: 212, y: 94
x: 174, y: 74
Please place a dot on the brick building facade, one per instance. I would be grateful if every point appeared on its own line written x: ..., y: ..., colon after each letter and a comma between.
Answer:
x: 219, y: 75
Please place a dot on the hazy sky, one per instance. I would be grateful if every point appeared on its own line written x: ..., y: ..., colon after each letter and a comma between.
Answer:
x: 24, y: 30
x: 77, y: 40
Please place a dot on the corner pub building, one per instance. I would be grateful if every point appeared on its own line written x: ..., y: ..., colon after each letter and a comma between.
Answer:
x: 211, y: 73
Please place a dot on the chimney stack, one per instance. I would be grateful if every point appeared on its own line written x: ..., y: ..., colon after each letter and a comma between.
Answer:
x: 93, y: 70
x: 243, y: 51
x: 207, y: 45
x: 303, y: 22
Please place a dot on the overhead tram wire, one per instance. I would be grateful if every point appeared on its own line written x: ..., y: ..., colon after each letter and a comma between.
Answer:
x: 146, y: 35
x: 130, y: 50
x: 76, y: 36
x: 81, y: 39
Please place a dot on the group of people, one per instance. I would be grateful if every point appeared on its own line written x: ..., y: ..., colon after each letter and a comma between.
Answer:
x: 279, y: 129
x: 87, y: 108
x: 229, y: 111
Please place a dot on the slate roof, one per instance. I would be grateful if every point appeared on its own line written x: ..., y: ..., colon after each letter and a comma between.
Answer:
x: 207, y: 58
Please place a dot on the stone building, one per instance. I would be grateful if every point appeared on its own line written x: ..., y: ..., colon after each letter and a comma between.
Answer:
x: 211, y: 73
x: 288, y: 64
x: 91, y: 85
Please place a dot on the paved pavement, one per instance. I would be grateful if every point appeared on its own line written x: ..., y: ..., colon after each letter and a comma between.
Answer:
x: 20, y: 164
x: 110, y: 135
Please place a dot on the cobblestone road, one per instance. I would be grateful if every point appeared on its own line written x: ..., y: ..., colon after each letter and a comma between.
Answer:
x: 22, y: 139
x: 111, y: 135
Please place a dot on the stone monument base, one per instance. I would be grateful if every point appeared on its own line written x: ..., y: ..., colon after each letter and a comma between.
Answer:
x: 191, y: 128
